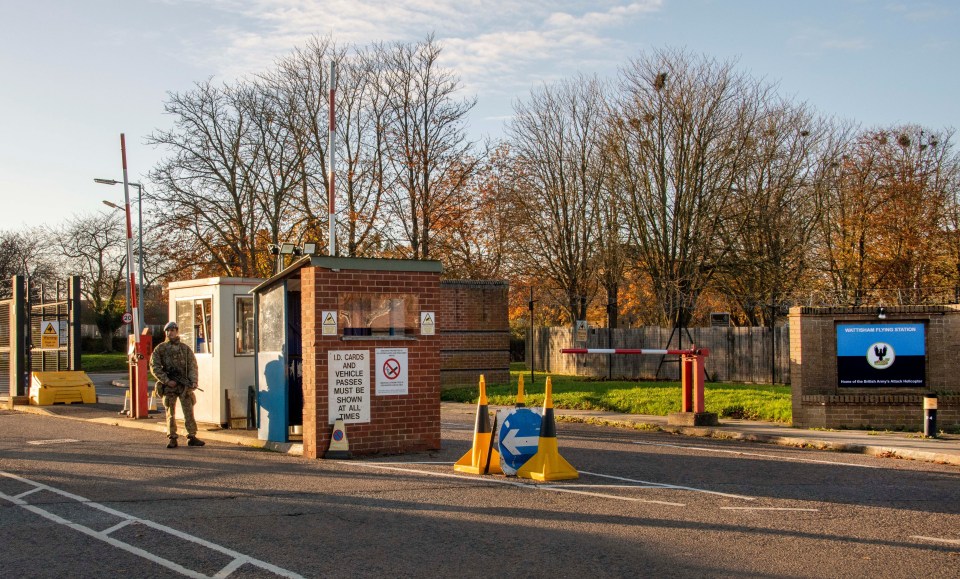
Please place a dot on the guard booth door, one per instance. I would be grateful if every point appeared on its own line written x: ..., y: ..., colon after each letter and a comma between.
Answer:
x: 279, y: 361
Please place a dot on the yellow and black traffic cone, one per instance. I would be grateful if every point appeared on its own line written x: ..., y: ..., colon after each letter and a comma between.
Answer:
x: 547, y: 464
x: 521, y: 401
x: 483, y: 458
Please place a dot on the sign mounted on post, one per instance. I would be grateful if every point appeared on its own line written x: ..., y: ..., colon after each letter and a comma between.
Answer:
x: 49, y: 334
x: 328, y: 323
x: 518, y: 437
x: 348, y: 380
x: 428, y: 323
x: 874, y: 355
x: 392, y: 372
x: 581, y: 336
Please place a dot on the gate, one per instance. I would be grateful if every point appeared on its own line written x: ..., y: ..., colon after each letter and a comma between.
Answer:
x: 38, y: 332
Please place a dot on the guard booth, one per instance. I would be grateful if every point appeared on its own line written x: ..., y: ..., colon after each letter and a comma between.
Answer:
x: 215, y: 316
x: 350, y: 338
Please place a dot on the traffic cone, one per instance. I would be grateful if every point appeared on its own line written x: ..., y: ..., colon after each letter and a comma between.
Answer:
x: 521, y: 401
x: 339, y: 447
x: 483, y: 458
x: 547, y: 464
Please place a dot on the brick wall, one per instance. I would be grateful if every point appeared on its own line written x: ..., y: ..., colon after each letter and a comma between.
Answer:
x: 397, y: 423
x: 819, y: 402
x: 475, y: 332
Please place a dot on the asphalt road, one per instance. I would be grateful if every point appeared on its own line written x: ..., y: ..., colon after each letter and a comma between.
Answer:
x: 85, y: 500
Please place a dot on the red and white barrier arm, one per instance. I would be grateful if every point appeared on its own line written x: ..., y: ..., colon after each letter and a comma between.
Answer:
x: 695, y: 352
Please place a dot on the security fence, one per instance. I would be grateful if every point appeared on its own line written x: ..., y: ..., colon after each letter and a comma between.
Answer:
x: 756, y: 355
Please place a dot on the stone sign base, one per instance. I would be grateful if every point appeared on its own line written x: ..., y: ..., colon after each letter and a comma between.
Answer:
x: 692, y: 419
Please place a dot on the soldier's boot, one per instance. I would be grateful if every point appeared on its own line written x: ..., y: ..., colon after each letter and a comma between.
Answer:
x: 172, y: 443
x: 194, y: 441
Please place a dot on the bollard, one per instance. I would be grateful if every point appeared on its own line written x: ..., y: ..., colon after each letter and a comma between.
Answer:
x: 251, y: 408
x: 226, y: 403
x: 930, y: 415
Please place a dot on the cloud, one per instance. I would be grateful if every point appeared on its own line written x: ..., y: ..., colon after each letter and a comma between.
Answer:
x: 489, y: 43
x: 817, y: 41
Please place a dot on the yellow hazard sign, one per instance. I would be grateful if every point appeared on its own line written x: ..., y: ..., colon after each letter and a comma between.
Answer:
x: 428, y: 326
x: 49, y: 334
x: 329, y: 323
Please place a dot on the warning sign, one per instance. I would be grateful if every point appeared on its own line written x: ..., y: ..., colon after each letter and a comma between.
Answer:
x: 581, y: 331
x: 348, y: 380
x: 329, y: 323
x: 428, y: 325
x: 392, y: 372
x: 49, y: 334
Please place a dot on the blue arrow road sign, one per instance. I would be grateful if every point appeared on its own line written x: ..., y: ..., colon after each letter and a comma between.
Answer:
x: 517, y: 437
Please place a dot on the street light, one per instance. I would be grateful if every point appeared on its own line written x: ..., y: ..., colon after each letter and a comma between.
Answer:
x: 139, y: 235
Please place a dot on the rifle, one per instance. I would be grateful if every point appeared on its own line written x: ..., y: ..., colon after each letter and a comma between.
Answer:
x: 175, y: 375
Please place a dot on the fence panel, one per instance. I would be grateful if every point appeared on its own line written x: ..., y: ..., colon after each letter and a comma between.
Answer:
x: 736, y: 354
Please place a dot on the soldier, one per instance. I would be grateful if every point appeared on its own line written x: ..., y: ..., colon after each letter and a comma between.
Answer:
x: 175, y: 367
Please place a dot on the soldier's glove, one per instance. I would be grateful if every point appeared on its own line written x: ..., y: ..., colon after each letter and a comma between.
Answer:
x: 172, y: 383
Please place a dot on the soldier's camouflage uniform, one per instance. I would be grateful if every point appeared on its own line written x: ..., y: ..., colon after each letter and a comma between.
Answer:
x: 174, y: 360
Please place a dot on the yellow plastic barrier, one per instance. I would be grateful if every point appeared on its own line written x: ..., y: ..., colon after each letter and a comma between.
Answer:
x: 48, y: 388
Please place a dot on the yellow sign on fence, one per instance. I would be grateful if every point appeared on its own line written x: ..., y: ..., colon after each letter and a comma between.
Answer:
x: 49, y: 334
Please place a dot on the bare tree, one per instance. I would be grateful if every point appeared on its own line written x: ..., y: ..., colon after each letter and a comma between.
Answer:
x: 557, y: 139
x: 94, y: 246
x: 25, y: 252
x: 681, y: 133
x: 777, y: 202
x: 206, y: 191
x: 426, y: 141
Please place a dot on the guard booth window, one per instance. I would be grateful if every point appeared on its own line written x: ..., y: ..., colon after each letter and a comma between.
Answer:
x: 364, y: 314
x: 195, y: 318
x: 243, y: 326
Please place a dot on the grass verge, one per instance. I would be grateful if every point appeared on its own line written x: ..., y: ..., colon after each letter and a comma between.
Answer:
x: 748, y: 401
x: 112, y: 362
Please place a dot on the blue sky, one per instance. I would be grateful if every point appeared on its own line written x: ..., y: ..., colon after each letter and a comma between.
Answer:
x: 77, y: 74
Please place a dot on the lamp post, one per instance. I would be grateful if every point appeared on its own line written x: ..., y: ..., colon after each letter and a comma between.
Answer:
x: 139, y: 236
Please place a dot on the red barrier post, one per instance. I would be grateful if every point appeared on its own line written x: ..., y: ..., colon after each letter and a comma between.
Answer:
x: 145, y: 349
x: 699, y: 377
x: 687, y: 371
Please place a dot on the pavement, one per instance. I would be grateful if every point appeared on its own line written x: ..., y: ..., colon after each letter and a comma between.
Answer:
x: 945, y: 449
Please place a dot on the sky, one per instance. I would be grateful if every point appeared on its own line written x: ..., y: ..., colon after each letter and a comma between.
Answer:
x: 74, y: 75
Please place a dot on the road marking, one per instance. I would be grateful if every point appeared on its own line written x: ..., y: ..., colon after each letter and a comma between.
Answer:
x: 757, y: 454
x: 670, y: 486
x: 767, y: 509
x: 518, y: 484
x: 53, y: 441
x: 239, y: 559
x: 568, y: 485
x: 936, y: 539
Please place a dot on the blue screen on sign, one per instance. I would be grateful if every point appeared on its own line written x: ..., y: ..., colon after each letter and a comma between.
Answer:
x: 884, y: 354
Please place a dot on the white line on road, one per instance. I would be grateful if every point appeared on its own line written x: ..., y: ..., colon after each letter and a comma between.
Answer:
x: 757, y: 454
x: 53, y: 441
x: 518, y: 484
x: 670, y: 486
x: 767, y: 509
x: 936, y: 539
x: 568, y: 485
x: 129, y: 519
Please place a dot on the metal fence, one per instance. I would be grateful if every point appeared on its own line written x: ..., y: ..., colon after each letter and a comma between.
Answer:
x: 754, y: 355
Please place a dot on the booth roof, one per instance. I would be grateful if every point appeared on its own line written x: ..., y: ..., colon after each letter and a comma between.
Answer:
x: 353, y: 263
x: 207, y: 281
